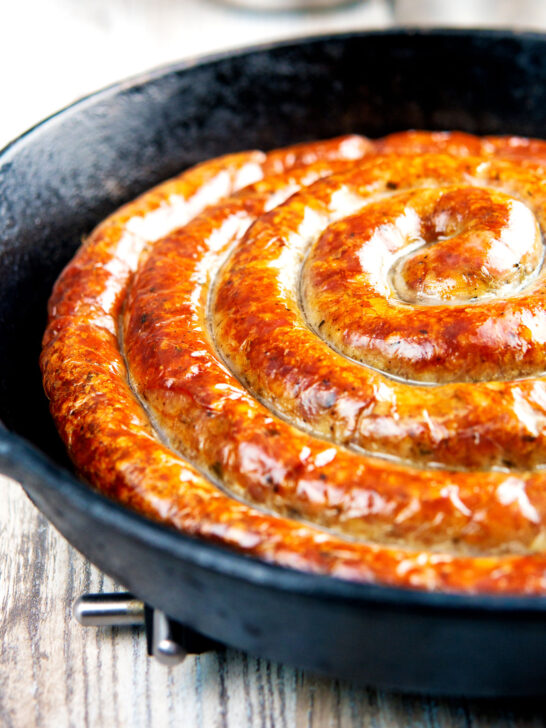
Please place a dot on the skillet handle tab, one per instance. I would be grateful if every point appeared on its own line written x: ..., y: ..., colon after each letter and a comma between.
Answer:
x: 109, y: 610
x: 167, y: 640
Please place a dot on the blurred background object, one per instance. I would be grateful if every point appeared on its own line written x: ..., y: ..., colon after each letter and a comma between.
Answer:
x: 524, y: 14
x: 287, y: 4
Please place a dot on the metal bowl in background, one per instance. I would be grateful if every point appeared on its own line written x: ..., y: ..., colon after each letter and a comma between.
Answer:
x: 524, y: 14
x: 58, y: 180
x: 283, y: 5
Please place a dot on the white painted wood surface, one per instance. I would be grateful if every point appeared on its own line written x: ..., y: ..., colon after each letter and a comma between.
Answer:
x: 54, y: 673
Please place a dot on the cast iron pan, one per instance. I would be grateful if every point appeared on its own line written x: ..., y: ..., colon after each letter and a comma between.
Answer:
x: 58, y: 180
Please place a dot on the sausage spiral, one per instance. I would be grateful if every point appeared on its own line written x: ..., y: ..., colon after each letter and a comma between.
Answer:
x: 329, y: 356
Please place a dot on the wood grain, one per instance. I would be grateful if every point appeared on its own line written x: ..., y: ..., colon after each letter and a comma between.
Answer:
x: 55, y: 673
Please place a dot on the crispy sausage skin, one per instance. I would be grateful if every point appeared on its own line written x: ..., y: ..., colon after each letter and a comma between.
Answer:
x: 329, y: 356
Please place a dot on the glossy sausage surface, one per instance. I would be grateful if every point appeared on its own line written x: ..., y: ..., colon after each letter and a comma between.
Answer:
x: 330, y: 357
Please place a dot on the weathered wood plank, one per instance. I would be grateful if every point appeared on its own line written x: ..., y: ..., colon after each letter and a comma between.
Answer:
x: 55, y: 673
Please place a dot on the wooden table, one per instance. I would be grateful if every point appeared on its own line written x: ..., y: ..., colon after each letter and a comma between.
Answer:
x: 55, y: 673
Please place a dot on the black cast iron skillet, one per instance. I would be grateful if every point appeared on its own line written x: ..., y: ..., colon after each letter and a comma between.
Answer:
x: 58, y: 180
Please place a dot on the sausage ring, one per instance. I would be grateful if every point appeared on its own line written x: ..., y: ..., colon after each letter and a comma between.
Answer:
x: 330, y: 357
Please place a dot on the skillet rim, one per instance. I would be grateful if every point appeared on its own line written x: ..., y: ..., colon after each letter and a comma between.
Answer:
x: 20, y: 458
x: 164, y: 69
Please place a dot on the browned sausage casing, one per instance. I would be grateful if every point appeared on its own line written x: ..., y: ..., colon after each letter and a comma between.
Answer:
x: 329, y: 356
